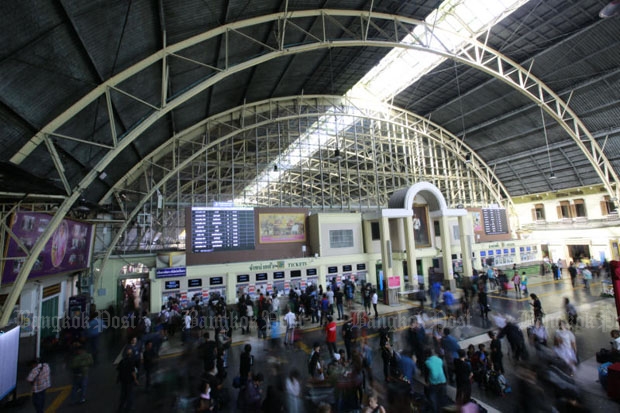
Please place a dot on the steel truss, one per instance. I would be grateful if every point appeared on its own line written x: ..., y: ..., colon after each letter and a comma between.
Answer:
x: 335, y: 28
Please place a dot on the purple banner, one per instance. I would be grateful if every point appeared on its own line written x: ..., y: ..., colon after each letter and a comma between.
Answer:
x: 67, y: 250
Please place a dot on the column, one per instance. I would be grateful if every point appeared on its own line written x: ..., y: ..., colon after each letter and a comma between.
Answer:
x: 386, y: 256
x: 444, y: 227
x: 466, y: 241
x: 411, y: 256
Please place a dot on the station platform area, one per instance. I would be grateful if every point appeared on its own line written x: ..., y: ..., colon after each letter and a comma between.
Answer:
x: 175, y: 383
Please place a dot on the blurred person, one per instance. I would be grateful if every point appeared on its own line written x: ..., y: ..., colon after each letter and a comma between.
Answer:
x: 436, y: 381
x: 330, y: 335
x: 565, y: 346
x: 294, y: 393
x: 290, y: 320
x: 571, y: 313
x: 496, y: 353
x: 538, y: 334
x: 80, y: 365
x: 513, y: 333
x: 373, y: 404
x: 127, y: 370
x: 537, y: 307
x: 464, y: 375
x: 39, y: 378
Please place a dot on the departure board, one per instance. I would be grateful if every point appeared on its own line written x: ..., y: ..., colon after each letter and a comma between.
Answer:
x: 495, y: 221
x: 222, y: 229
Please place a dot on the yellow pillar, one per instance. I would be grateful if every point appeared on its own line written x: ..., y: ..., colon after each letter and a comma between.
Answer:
x: 386, y: 248
x: 446, y: 250
x: 466, y: 240
x: 411, y: 256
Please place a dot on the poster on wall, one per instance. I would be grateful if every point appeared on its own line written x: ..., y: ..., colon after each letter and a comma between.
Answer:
x: 67, y: 250
x: 477, y: 219
x: 275, y: 228
x: 420, y: 226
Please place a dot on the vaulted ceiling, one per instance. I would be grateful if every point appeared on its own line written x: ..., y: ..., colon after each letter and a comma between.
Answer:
x: 89, y: 90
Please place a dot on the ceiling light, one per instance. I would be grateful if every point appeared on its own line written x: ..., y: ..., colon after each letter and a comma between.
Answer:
x: 611, y: 10
x: 552, y: 175
x: 468, y: 158
x: 337, y: 155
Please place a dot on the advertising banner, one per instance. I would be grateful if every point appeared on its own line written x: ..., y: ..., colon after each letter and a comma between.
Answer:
x: 67, y: 250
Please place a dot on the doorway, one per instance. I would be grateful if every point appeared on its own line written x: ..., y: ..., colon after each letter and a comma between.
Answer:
x: 579, y: 253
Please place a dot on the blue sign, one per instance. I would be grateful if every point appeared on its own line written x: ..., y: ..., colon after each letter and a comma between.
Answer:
x: 170, y: 272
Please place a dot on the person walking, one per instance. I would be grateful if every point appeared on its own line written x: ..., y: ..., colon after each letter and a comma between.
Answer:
x: 330, y: 335
x: 572, y: 271
x: 40, y: 379
x: 571, y: 313
x: 524, y: 283
x: 436, y: 381
x: 339, y: 297
x: 375, y: 300
x: 496, y: 353
x: 587, y: 276
x: 483, y: 303
x: 565, y: 346
x: 80, y: 364
x: 290, y: 320
x: 537, y: 306
x: 464, y: 375
x: 149, y: 361
x: 516, y: 281
x: 347, y: 335
x: 128, y: 378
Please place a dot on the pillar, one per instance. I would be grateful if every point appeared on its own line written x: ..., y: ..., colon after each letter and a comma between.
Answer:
x: 411, y: 255
x: 466, y: 241
x: 446, y: 251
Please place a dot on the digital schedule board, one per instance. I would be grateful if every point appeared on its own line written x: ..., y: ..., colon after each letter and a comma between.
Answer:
x: 495, y: 221
x: 222, y: 229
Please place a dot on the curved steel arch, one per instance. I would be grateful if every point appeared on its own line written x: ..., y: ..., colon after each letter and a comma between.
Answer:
x: 267, y: 108
x: 474, y: 54
x: 416, y: 124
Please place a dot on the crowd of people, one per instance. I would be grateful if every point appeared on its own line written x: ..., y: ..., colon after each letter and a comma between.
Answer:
x: 416, y: 369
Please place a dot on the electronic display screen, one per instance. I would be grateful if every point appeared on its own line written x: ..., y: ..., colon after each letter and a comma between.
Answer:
x: 222, y: 229
x: 295, y: 273
x: 216, y: 281
x: 172, y: 285
x: 261, y: 276
x: 361, y: 267
x: 332, y: 270
x: 278, y: 275
x: 347, y: 268
x: 243, y: 278
x: 311, y: 271
x: 495, y: 221
x: 194, y: 282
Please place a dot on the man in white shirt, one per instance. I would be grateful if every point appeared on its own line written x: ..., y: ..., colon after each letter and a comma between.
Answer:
x: 290, y: 320
x: 330, y: 299
x: 187, y: 325
x: 375, y: 300
x: 275, y: 304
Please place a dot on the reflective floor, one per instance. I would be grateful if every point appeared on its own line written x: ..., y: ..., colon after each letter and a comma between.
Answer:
x: 177, y: 378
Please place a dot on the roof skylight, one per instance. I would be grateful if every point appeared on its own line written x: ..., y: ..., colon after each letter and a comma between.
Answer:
x: 450, y: 23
